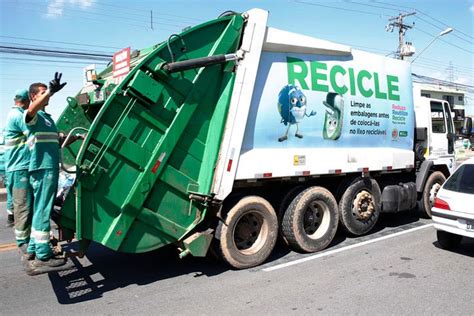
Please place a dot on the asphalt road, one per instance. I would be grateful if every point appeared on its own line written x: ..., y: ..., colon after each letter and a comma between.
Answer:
x: 398, y: 269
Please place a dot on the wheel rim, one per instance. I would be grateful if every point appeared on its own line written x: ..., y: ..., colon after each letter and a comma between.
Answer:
x: 316, y: 219
x: 433, y: 192
x: 250, y: 232
x: 363, y: 206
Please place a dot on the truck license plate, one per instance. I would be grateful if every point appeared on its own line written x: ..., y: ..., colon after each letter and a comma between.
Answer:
x: 470, y: 226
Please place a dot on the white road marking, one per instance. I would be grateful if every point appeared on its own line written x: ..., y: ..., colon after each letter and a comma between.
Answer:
x: 331, y: 252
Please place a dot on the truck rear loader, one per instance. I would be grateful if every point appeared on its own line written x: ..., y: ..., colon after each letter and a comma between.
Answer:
x: 233, y: 133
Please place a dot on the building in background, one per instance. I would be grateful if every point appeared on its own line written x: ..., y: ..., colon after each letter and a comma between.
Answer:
x: 456, y: 95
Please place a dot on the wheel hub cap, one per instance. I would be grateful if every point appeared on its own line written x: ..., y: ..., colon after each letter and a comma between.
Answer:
x: 363, y: 206
x: 312, y: 218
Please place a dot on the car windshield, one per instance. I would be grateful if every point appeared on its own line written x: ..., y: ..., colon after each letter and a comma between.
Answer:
x: 462, y: 180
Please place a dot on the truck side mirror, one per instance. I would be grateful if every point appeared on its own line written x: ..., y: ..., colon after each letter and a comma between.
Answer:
x: 467, y: 127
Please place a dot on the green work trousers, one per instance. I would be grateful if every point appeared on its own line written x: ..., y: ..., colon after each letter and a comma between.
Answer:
x: 44, y: 183
x: 9, y: 193
x: 18, y: 181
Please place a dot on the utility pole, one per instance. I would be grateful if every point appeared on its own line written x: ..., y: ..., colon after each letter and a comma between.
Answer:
x: 151, y: 19
x: 397, y: 22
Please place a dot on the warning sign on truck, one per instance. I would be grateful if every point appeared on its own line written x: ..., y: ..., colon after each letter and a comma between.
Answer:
x: 121, y: 63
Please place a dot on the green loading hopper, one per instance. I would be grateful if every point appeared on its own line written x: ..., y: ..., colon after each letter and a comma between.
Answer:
x: 145, y: 169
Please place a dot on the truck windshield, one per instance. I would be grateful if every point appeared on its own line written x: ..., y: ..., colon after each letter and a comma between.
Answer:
x: 462, y: 180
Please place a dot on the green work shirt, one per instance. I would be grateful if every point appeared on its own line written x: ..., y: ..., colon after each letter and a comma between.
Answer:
x: 43, y: 142
x: 17, y: 155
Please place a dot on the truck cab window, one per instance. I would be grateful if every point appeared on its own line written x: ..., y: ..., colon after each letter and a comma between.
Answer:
x: 437, y: 118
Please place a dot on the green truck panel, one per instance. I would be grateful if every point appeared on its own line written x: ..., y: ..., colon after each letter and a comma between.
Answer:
x: 153, y: 142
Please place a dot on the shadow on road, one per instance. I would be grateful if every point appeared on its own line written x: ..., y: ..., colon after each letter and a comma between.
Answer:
x: 465, y: 248
x: 104, y: 270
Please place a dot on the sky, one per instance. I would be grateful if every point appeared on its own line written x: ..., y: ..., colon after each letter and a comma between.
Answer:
x: 106, y: 26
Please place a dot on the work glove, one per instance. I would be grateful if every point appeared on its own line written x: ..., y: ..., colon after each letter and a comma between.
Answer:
x: 55, y: 85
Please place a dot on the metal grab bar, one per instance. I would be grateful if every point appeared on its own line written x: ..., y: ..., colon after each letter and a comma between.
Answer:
x: 64, y: 146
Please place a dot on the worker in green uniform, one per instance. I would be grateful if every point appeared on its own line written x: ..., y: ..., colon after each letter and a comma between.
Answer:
x: 17, y: 160
x: 43, y: 143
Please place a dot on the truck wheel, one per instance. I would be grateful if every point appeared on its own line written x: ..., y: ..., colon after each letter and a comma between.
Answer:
x: 310, y: 222
x: 359, y: 206
x: 432, y: 186
x: 447, y: 240
x: 249, y: 232
x: 285, y: 203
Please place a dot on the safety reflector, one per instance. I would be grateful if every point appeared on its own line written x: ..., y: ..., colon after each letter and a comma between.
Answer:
x: 303, y: 173
x: 231, y: 159
x: 158, y: 162
x: 336, y: 171
x: 388, y: 168
x: 263, y: 175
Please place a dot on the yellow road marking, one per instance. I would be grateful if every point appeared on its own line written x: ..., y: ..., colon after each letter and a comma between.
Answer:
x: 7, y: 247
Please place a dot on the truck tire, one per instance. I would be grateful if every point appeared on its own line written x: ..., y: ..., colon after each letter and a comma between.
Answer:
x: 430, y: 190
x: 285, y: 203
x: 310, y: 222
x: 249, y: 232
x: 359, y: 207
x: 447, y: 240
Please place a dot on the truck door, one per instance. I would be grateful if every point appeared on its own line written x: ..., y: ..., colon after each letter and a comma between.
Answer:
x: 451, y: 133
x: 442, y: 138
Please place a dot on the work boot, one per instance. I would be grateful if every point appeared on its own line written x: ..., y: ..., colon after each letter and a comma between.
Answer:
x: 10, y: 220
x: 51, y: 262
x: 25, y: 256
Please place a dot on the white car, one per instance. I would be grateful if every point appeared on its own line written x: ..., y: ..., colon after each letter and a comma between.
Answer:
x: 453, y: 209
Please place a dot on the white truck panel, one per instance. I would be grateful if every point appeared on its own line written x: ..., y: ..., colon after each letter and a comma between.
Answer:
x: 262, y: 163
x: 283, y: 41
x: 246, y: 75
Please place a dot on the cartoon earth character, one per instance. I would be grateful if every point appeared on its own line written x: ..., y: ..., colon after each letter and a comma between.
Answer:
x: 292, y: 108
x: 333, y: 118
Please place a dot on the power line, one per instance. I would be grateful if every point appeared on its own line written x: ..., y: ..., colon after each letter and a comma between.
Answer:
x: 70, y: 16
x: 425, y: 14
x: 78, y: 53
x: 417, y: 17
x: 338, y: 8
x: 49, y: 61
x: 439, y: 28
x: 143, y: 10
x: 446, y: 42
x: 143, y: 22
x: 57, y: 42
x: 441, y: 81
x: 52, y: 47
x: 54, y: 53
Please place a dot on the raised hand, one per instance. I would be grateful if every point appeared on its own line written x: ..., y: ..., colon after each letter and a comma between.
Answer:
x: 55, y: 85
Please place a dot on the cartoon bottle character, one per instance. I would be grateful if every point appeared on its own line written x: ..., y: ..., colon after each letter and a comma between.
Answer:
x: 333, y: 118
x: 292, y: 108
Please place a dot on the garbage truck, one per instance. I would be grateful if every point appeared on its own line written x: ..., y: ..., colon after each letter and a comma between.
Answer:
x: 232, y: 134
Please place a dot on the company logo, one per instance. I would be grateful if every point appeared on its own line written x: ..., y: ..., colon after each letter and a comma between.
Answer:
x: 394, y: 134
x: 403, y: 133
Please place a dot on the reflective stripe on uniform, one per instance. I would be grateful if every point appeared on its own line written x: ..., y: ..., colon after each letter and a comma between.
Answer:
x: 43, y: 137
x: 40, y: 237
x: 22, y: 234
x: 13, y: 142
